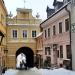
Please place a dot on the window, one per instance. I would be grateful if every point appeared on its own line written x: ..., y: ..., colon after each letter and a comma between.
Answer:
x: 4, y: 63
x: 54, y: 30
x: 68, y: 49
x: 66, y: 24
x: 47, y: 51
x: 58, y: 53
x: 60, y: 27
x: 54, y: 47
x: 61, y: 51
x: 48, y: 32
x: 45, y: 34
x: 34, y: 33
x: 24, y: 33
x: 14, y: 33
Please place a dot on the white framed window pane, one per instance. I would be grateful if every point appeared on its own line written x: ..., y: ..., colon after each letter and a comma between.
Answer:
x: 24, y: 33
x: 14, y: 33
x: 34, y: 33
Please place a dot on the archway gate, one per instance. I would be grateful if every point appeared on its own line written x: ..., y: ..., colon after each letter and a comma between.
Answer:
x: 29, y: 55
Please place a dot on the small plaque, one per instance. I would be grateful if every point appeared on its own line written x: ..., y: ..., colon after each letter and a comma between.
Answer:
x: 73, y: 27
x: 73, y: 2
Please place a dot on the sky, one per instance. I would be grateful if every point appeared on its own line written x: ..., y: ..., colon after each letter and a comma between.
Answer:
x: 37, y: 6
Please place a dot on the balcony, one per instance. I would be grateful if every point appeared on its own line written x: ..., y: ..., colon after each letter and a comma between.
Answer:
x: 23, y: 21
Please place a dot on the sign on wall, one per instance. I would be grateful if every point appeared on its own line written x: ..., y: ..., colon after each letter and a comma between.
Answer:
x: 73, y: 2
x: 73, y: 28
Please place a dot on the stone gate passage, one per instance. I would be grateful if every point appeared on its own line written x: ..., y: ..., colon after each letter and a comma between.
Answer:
x: 29, y: 55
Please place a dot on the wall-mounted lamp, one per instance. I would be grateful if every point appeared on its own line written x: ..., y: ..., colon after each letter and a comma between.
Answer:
x: 5, y: 51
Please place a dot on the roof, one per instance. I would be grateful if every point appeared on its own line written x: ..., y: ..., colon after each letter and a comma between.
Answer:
x: 55, y: 12
x: 39, y: 34
x: 55, y: 2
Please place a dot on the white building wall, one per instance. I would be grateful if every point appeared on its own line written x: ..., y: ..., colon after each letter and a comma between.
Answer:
x: 60, y: 39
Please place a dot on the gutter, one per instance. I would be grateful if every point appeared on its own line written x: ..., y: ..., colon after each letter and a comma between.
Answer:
x: 69, y: 32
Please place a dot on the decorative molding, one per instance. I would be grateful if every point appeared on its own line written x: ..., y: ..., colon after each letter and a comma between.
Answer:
x: 26, y: 25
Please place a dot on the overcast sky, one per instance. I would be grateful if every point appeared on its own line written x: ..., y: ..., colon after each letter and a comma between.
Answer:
x: 38, y: 6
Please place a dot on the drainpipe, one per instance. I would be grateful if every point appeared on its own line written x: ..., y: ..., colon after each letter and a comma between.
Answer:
x: 69, y: 32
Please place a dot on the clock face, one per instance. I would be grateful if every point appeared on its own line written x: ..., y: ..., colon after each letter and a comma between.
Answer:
x: 73, y: 27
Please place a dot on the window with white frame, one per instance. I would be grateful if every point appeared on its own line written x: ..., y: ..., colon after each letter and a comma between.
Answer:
x: 68, y: 50
x: 61, y: 51
x: 47, y: 51
x: 45, y: 33
x: 67, y: 24
x: 54, y: 30
x: 33, y: 33
x: 14, y: 33
x: 60, y: 27
x: 48, y: 32
x: 24, y: 33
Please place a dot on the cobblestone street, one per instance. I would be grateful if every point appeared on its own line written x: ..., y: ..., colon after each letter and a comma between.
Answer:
x: 21, y: 72
x: 35, y: 71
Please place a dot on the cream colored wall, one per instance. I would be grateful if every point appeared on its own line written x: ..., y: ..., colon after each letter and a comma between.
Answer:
x: 25, y: 22
x: 25, y: 15
x: 20, y: 29
x: 12, y: 48
x: 3, y: 13
x: 14, y: 45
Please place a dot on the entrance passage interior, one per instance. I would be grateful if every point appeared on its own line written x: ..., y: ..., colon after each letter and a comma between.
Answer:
x: 29, y: 55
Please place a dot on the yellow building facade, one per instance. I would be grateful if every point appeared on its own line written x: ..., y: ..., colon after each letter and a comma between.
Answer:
x: 3, y: 14
x: 21, y: 32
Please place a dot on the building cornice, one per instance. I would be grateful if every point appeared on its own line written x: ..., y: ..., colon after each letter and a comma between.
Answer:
x: 23, y: 10
x: 26, y: 25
